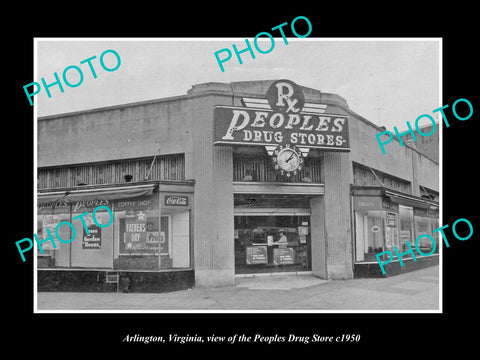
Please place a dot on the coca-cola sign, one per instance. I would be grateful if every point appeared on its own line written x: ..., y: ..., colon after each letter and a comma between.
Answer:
x: 176, y: 200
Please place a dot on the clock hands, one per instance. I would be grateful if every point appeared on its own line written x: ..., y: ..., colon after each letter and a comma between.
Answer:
x: 290, y: 158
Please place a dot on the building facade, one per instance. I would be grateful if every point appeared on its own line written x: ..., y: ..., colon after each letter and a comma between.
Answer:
x: 228, y: 180
x: 426, y: 145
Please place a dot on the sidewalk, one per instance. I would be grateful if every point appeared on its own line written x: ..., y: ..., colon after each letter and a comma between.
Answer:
x: 417, y: 290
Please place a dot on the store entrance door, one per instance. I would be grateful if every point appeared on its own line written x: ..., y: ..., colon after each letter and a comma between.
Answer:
x: 272, y: 243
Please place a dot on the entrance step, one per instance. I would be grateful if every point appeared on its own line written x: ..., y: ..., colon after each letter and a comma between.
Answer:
x: 278, y: 282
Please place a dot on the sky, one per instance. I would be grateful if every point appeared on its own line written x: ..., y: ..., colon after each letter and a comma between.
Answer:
x: 387, y: 81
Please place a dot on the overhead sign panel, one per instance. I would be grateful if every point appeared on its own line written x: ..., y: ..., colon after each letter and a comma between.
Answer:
x: 282, y: 118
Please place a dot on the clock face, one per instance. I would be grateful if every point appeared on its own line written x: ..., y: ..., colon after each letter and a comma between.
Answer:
x: 288, y: 161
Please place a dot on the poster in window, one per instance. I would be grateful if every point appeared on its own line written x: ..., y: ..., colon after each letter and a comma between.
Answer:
x: 141, y: 233
x: 269, y: 240
x: 389, y: 237
x: 283, y: 256
x: 92, y: 240
x: 303, y: 230
x: 134, y: 236
x: 152, y: 237
x: 164, y: 235
x: 256, y: 255
x: 50, y: 222
x: 391, y: 219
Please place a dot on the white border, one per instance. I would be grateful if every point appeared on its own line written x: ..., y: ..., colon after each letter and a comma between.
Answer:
x: 35, y: 74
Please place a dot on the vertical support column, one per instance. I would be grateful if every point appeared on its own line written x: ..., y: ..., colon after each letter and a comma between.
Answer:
x: 160, y: 211
x: 337, y: 173
x: 213, y: 200
x: 319, y: 245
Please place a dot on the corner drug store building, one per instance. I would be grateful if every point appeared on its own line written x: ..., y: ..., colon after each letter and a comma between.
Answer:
x: 256, y: 177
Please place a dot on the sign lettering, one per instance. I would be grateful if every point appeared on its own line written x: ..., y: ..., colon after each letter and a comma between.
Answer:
x: 234, y: 125
x: 176, y: 200
x: 256, y: 255
x: 281, y: 120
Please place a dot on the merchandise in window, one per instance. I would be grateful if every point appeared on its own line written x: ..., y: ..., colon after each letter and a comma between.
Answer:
x: 370, y: 234
x: 406, y: 230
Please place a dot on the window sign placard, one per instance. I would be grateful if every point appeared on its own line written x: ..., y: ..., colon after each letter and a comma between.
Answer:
x: 283, y: 256
x: 303, y: 230
x: 141, y: 233
x: 50, y: 222
x: 270, y: 240
x: 391, y: 231
x: 256, y: 255
x: 391, y: 220
x: 92, y: 240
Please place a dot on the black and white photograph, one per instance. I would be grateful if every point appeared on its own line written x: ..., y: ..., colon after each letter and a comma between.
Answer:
x: 267, y: 182
x: 254, y: 181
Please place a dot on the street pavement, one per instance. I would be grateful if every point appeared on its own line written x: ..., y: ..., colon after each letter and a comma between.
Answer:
x: 412, y: 291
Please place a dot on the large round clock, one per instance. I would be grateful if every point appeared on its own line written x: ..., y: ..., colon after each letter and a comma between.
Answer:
x: 288, y: 161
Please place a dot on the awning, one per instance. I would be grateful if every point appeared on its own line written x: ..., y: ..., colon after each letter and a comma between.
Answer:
x: 410, y: 200
x: 110, y: 193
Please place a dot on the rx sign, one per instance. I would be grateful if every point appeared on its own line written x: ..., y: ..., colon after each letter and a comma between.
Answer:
x: 286, y: 97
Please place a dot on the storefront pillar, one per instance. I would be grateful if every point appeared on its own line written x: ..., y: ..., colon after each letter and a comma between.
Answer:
x: 319, y: 246
x: 337, y: 173
x: 213, y: 229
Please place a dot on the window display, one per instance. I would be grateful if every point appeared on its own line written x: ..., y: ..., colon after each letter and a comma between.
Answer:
x: 92, y: 239
x: 406, y: 228
x: 272, y: 244
x: 371, y: 234
x: 426, y: 220
x: 379, y: 231
x: 150, y: 238
x: 142, y: 236
x: 94, y: 250
x: 139, y: 233
x: 391, y: 230
x: 50, y: 214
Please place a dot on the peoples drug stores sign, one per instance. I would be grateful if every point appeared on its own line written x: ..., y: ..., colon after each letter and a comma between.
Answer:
x: 282, y: 122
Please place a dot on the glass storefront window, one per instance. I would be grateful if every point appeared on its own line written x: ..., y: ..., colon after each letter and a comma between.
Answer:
x: 148, y: 239
x: 140, y: 232
x: 371, y: 233
x: 49, y: 216
x: 426, y: 225
x: 175, y: 237
x: 93, y: 250
x: 137, y: 234
x: 391, y: 230
x: 142, y: 236
x: 272, y: 244
x: 377, y: 231
x: 406, y: 229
